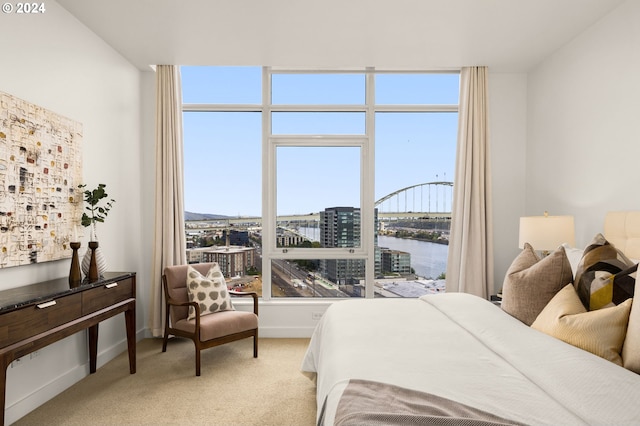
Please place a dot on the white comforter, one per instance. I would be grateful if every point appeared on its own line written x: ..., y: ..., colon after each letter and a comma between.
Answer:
x: 466, y: 349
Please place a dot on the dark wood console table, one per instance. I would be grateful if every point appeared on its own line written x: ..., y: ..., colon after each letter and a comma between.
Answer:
x: 36, y: 315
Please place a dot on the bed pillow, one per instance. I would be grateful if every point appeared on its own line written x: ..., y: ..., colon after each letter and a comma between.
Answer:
x: 604, y: 276
x: 209, y: 291
x: 531, y: 282
x: 600, y: 332
x: 631, y: 347
x: 574, y: 255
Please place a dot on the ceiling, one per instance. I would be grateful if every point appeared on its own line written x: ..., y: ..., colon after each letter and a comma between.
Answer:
x: 506, y: 35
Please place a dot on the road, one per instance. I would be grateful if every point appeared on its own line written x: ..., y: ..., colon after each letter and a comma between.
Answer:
x: 283, y: 274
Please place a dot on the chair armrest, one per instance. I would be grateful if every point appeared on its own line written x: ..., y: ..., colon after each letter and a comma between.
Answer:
x: 247, y: 293
x: 196, y: 306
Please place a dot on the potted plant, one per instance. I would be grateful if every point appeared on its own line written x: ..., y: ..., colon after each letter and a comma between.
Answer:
x: 97, y: 209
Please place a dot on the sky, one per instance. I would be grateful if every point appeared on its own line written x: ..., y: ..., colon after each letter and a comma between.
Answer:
x: 223, y: 150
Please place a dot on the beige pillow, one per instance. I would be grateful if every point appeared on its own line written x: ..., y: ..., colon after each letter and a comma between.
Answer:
x: 209, y: 291
x: 531, y: 282
x: 631, y: 347
x: 600, y: 332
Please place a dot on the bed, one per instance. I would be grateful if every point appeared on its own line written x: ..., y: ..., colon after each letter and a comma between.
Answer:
x: 458, y: 359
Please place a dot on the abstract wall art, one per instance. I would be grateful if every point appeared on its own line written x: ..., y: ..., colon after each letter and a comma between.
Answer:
x: 40, y: 170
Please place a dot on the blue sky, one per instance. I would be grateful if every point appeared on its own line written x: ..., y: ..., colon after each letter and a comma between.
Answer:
x: 223, y: 150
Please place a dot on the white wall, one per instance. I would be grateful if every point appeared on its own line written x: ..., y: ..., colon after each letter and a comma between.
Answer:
x: 507, y: 129
x: 53, y: 61
x: 583, y: 139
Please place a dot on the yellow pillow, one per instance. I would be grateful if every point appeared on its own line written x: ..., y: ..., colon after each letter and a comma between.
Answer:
x: 600, y: 332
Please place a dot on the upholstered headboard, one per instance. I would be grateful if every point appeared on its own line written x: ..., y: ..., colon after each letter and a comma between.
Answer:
x: 622, y: 229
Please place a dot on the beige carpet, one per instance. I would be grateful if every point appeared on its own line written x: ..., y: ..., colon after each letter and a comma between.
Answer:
x: 234, y: 388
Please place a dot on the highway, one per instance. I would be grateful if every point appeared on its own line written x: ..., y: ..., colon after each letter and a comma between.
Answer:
x: 284, y: 274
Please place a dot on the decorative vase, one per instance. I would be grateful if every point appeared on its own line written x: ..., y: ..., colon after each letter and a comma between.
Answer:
x: 75, y: 276
x: 100, y: 261
x: 93, y: 264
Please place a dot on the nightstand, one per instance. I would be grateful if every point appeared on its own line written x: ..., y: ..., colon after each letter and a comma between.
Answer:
x: 496, y: 299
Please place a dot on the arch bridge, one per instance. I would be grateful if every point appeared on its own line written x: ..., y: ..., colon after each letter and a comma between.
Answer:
x: 429, y: 200
x: 423, y: 200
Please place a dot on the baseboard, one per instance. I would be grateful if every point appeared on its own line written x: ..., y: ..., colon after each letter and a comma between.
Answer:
x: 43, y: 394
x: 285, y: 332
x: 39, y: 396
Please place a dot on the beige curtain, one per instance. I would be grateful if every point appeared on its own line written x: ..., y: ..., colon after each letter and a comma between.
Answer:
x: 470, y: 261
x: 169, y: 243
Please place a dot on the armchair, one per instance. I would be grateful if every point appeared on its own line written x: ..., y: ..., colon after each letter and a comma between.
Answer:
x: 209, y: 330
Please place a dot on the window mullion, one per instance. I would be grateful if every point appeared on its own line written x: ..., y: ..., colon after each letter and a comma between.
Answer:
x: 319, y: 108
x: 268, y: 187
x: 221, y: 108
x: 368, y: 191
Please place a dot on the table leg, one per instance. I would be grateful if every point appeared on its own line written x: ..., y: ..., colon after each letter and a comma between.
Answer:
x: 3, y: 387
x: 93, y: 348
x: 130, y: 319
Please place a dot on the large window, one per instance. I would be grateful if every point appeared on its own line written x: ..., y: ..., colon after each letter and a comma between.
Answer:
x: 320, y: 184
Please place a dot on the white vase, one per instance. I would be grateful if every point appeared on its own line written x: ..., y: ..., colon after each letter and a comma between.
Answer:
x: 100, y: 260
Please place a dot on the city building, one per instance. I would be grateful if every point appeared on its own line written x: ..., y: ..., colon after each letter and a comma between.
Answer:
x: 233, y: 260
x: 289, y: 239
x: 236, y: 237
x: 341, y: 227
x: 395, y: 261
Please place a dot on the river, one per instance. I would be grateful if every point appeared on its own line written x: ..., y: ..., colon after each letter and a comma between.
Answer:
x: 429, y: 260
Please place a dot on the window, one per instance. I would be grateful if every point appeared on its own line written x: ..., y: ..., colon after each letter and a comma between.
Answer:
x: 320, y: 184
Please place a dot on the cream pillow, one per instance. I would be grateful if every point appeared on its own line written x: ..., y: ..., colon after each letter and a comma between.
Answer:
x: 531, y: 282
x: 631, y: 347
x: 209, y: 291
x: 600, y: 332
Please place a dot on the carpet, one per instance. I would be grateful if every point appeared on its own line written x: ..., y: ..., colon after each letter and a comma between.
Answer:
x: 234, y: 388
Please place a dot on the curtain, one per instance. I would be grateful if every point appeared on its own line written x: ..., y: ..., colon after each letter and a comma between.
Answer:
x: 169, y: 246
x: 470, y: 260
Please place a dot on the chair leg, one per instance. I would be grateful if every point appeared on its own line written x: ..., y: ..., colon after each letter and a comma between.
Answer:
x: 197, y: 361
x: 164, y: 341
x: 255, y: 345
x: 166, y: 330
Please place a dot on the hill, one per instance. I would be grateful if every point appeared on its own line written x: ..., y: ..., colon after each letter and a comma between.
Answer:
x: 202, y: 216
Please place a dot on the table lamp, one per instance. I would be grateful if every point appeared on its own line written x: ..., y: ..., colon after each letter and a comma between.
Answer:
x: 546, y: 233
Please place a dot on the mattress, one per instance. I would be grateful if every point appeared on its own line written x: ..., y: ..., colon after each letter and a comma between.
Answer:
x: 465, y: 349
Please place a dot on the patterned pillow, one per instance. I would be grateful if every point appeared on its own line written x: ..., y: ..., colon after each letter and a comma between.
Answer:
x: 531, y: 282
x: 209, y: 291
x: 605, y: 276
x: 600, y: 332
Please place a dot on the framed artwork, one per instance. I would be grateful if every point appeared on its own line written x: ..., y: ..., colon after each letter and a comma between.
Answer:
x: 40, y: 170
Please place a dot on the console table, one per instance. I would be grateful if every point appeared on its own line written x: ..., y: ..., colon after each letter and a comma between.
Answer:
x: 36, y: 315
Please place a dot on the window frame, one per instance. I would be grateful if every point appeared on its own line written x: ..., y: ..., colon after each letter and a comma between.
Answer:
x: 365, y: 142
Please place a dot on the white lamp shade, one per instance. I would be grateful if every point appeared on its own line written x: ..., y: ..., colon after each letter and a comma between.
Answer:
x: 546, y: 233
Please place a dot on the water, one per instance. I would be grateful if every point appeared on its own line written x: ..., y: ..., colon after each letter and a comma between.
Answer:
x: 429, y: 260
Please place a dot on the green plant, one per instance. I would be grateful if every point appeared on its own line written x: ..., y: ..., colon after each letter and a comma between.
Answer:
x: 98, y: 209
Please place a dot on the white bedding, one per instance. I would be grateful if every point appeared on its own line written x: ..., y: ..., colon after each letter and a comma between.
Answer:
x: 464, y: 348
